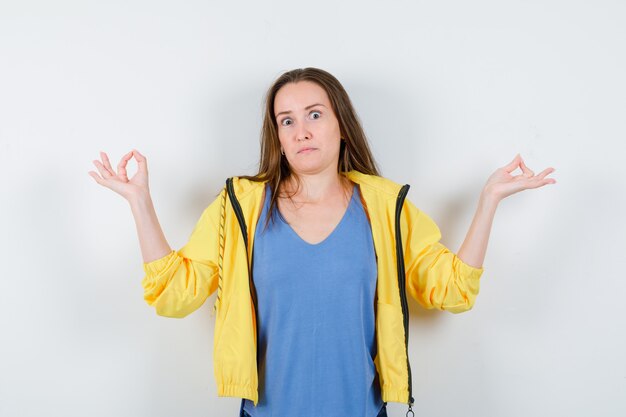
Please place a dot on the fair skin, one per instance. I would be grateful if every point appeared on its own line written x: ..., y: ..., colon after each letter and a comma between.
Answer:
x: 321, y: 202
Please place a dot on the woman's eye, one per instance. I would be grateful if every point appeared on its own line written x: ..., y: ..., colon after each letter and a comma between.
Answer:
x: 284, y: 121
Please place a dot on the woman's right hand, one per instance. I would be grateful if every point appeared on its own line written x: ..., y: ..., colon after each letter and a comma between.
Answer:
x: 137, y: 186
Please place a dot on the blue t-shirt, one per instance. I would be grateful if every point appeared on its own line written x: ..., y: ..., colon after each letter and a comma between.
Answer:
x: 316, y: 319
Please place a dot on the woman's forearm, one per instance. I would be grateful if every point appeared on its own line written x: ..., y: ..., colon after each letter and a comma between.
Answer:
x: 151, y: 238
x: 474, y: 247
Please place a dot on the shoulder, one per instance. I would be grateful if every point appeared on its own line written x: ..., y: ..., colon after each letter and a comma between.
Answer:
x: 374, y: 183
x: 246, y: 188
x: 243, y: 186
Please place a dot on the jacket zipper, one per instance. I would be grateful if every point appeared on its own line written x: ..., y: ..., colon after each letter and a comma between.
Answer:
x: 244, y: 231
x: 402, y: 284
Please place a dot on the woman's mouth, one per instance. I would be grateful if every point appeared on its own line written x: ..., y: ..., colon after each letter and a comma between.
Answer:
x: 306, y: 150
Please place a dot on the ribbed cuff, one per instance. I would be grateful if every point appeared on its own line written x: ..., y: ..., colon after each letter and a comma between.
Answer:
x: 234, y: 390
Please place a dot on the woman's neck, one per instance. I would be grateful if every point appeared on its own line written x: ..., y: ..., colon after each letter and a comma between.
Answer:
x: 317, y: 188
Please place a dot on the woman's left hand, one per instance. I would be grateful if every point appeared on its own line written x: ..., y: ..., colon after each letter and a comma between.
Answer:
x: 502, y: 184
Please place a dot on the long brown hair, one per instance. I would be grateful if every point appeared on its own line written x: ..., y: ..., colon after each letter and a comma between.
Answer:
x: 354, y: 153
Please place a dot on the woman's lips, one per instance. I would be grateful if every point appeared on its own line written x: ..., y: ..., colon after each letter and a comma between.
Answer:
x: 306, y: 150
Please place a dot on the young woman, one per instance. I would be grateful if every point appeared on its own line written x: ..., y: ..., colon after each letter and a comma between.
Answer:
x: 312, y: 259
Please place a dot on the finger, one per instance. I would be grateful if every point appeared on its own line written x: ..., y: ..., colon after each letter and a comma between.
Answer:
x: 141, y: 161
x: 540, y: 180
x: 96, y: 177
x: 121, y: 167
x: 106, y: 163
x: 527, y: 171
x: 104, y: 172
x: 541, y: 183
x: 510, y: 167
x: 545, y: 172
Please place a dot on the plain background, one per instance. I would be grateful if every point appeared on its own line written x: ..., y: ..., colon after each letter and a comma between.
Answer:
x: 447, y: 91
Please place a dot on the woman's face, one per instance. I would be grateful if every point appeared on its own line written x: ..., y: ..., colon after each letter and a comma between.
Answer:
x: 307, y: 128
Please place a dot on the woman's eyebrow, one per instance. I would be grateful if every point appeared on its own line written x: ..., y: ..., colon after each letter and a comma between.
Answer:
x: 306, y: 108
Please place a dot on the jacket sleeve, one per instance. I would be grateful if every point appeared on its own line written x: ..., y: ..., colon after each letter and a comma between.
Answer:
x: 435, y: 276
x: 181, y: 281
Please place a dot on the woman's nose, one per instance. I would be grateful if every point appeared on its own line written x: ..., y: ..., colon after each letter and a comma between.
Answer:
x: 302, y: 132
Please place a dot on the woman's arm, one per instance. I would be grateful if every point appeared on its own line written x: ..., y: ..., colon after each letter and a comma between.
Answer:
x: 179, y: 283
x: 474, y: 247
x: 436, y: 276
x: 176, y: 283
x: 151, y: 238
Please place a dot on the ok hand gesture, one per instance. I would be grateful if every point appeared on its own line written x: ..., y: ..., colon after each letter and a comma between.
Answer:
x: 502, y: 184
x: 136, y: 186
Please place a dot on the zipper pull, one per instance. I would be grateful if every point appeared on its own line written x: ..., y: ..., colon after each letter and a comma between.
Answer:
x: 410, y: 410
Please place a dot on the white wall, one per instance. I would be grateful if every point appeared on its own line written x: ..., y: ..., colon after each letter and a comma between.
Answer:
x: 448, y: 91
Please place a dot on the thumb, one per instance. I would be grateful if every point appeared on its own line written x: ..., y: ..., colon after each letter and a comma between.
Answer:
x: 141, y: 160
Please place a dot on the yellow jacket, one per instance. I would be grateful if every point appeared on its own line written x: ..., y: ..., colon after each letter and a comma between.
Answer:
x: 181, y: 281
